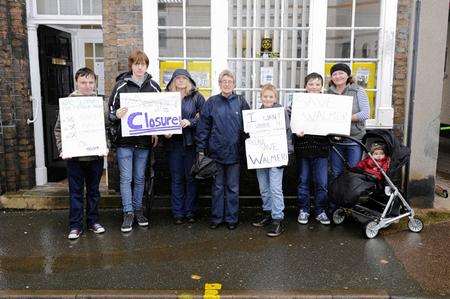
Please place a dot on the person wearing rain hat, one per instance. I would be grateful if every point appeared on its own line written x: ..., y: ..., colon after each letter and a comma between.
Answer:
x: 181, y: 148
x: 342, y: 83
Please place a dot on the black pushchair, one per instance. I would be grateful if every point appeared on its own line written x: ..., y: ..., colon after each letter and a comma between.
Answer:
x: 376, y: 204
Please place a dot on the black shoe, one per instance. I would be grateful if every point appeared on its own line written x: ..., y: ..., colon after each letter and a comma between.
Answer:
x: 275, y: 229
x: 127, y: 224
x: 262, y: 220
x: 232, y: 226
x: 140, y: 218
x: 178, y: 220
x: 213, y: 225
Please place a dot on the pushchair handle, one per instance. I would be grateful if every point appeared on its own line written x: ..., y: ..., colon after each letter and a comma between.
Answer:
x: 335, y: 142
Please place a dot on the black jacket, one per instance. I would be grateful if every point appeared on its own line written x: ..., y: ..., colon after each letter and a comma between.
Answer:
x: 126, y: 85
x: 311, y: 146
x: 191, y: 105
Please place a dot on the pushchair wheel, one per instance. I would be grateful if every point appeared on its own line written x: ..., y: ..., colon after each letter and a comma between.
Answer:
x: 371, y: 229
x: 415, y: 225
x: 338, y: 216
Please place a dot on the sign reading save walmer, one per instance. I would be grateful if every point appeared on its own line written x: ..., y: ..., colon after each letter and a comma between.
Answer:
x: 267, y: 145
x: 82, y: 127
x: 321, y: 114
x: 151, y: 113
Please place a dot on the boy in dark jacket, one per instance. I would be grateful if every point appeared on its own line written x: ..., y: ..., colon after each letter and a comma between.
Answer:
x: 82, y: 170
x: 312, y: 160
x: 133, y: 151
x: 219, y: 134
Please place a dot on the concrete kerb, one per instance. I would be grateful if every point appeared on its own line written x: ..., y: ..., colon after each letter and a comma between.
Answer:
x: 189, y: 294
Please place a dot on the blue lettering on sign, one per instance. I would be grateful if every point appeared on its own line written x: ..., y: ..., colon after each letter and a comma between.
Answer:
x: 131, y: 119
x: 139, y: 125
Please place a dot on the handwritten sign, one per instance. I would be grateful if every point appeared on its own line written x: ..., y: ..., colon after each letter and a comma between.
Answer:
x: 151, y: 113
x: 267, y: 145
x: 82, y: 127
x: 321, y: 114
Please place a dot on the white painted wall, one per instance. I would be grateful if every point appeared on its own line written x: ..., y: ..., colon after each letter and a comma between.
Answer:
x: 427, y: 99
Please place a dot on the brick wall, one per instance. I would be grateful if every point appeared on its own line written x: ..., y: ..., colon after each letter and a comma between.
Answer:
x: 399, y: 88
x: 122, y: 33
x: 16, y: 136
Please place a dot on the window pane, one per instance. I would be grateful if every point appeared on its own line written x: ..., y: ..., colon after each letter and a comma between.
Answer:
x: 97, y: 7
x: 171, y: 43
x: 294, y: 73
x: 301, y: 44
x: 89, y: 63
x: 339, y: 13
x: 47, y: 7
x: 200, y: 72
x: 198, y: 13
x: 172, y: 13
x: 88, y: 50
x: 69, y: 7
x: 98, y: 50
x: 366, y: 44
x: 367, y: 13
x: 338, y: 43
x: 198, y: 43
x: 87, y: 7
x: 365, y: 74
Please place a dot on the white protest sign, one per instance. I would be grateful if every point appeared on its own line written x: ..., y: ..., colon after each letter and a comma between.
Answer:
x: 267, y: 145
x: 151, y: 113
x: 82, y: 127
x: 321, y: 114
x: 264, y: 120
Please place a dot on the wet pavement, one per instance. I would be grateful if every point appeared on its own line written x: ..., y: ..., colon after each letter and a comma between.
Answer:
x: 307, y: 259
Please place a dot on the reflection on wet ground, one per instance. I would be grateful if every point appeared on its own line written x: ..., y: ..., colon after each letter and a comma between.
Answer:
x: 35, y: 254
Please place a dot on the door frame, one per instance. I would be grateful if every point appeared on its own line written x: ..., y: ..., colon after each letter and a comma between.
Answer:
x: 33, y: 21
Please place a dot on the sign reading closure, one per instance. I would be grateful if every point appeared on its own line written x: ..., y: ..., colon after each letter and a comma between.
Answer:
x: 151, y: 113
x: 321, y: 114
x: 82, y: 127
x: 267, y: 145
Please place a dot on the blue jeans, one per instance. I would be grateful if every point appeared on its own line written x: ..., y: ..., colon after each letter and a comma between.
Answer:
x: 270, y: 182
x: 184, y: 186
x: 317, y: 168
x: 132, y: 162
x: 225, y: 194
x: 79, y: 173
x: 351, y: 152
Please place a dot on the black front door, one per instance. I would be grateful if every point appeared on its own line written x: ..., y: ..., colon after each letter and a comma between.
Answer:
x: 55, y: 61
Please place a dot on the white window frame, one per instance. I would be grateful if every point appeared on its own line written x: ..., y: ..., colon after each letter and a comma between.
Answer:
x: 151, y: 38
x: 384, y: 113
x: 63, y: 19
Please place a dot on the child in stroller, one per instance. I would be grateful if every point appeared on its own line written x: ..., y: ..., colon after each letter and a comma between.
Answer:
x: 368, y: 198
x: 378, y: 154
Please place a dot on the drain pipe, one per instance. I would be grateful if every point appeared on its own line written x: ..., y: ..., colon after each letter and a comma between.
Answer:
x: 412, y: 88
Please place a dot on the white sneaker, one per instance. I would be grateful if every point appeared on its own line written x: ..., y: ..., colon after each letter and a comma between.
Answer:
x: 97, y: 228
x: 303, y: 217
x: 74, y: 234
x: 323, y: 218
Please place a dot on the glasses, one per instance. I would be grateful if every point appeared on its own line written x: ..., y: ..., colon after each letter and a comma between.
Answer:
x: 227, y: 82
